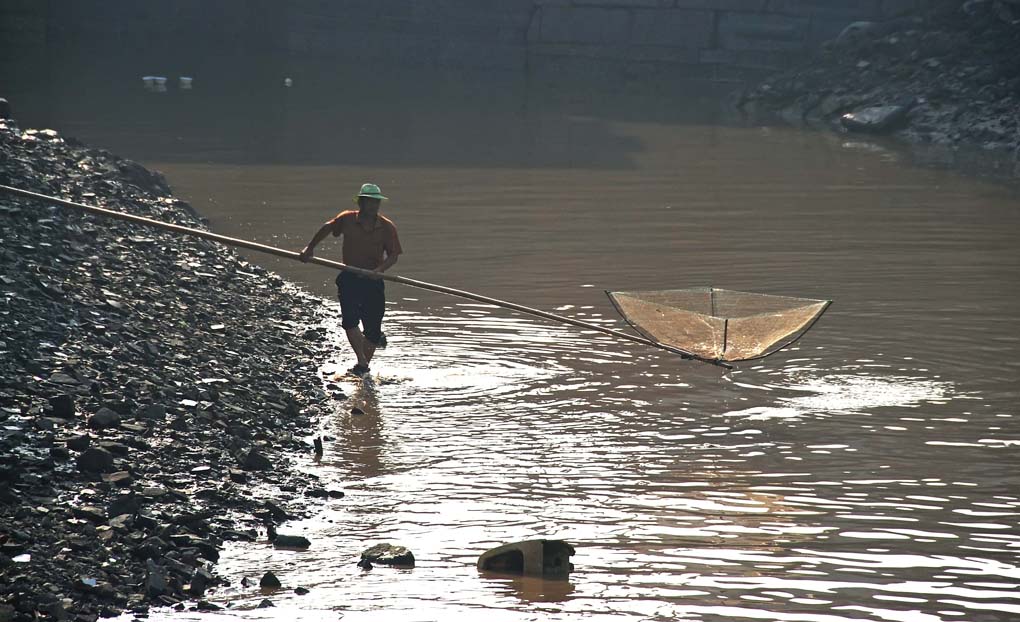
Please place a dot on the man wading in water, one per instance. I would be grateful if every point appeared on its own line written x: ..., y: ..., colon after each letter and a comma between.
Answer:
x: 370, y: 242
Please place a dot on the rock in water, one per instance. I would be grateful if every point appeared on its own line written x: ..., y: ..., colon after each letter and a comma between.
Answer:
x: 389, y: 554
x: 876, y: 119
x: 270, y: 582
x: 284, y: 541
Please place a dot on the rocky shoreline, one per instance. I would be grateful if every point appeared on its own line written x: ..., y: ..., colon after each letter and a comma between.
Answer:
x: 153, y: 391
x: 948, y: 77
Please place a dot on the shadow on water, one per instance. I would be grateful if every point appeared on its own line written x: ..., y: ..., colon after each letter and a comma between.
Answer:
x: 240, y: 112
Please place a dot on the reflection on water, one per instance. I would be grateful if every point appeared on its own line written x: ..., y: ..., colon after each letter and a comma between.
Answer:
x: 867, y: 474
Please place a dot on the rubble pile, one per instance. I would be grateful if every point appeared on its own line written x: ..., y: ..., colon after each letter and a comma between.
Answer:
x: 950, y: 76
x: 152, y: 388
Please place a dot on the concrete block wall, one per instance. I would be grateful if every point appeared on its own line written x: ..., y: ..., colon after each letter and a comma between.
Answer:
x: 714, y: 39
x: 720, y: 40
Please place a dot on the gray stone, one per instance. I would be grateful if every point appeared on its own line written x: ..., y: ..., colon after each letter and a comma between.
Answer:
x: 122, y: 522
x: 89, y: 513
x: 876, y: 119
x: 389, y: 554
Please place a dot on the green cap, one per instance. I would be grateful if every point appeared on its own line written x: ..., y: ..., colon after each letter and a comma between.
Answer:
x: 371, y: 191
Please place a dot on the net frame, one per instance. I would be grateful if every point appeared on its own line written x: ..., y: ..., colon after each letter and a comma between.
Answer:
x: 776, y: 305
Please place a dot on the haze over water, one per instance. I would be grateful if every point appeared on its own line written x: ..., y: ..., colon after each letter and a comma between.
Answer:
x: 870, y: 473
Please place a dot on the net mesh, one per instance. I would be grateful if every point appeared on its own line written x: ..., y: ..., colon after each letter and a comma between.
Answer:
x: 719, y: 324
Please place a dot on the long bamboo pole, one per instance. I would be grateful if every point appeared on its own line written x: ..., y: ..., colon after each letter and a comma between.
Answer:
x: 279, y: 252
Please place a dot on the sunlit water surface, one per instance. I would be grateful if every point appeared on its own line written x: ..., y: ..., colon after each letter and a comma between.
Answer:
x: 870, y: 473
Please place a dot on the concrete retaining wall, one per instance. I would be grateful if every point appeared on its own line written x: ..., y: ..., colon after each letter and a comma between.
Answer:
x: 719, y: 40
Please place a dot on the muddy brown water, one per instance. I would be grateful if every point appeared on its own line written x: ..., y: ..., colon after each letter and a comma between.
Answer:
x: 869, y: 473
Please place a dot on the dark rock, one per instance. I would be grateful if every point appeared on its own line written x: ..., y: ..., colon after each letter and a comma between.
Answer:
x: 104, y: 419
x: 79, y: 443
x: 90, y: 513
x: 204, y: 605
x: 62, y: 406
x: 301, y: 591
x: 122, y: 522
x: 154, y: 412
x: 120, y: 478
x: 200, y: 581
x: 389, y: 554
x: 238, y: 477
x: 155, y: 579
x: 279, y: 514
x: 95, y: 460
x: 265, y: 604
x: 124, y: 504
x: 254, y: 461
x: 284, y: 541
x: 270, y: 582
x: 117, y: 449
x: 151, y: 548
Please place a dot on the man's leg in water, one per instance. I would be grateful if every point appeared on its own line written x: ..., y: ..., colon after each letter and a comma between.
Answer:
x: 363, y: 348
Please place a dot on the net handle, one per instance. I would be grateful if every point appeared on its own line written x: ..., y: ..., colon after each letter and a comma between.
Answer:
x: 229, y: 241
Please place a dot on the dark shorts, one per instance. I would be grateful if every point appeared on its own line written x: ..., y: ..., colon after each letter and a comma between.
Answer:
x: 362, y: 300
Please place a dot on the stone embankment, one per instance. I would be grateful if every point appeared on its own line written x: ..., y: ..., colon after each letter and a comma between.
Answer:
x: 949, y: 76
x: 153, y: 391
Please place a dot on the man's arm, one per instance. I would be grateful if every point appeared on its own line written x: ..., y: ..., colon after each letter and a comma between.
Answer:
x: 319, y: 236
x: 387, y: 263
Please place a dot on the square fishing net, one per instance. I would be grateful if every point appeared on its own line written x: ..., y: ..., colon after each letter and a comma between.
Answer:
x: 719, y: 324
